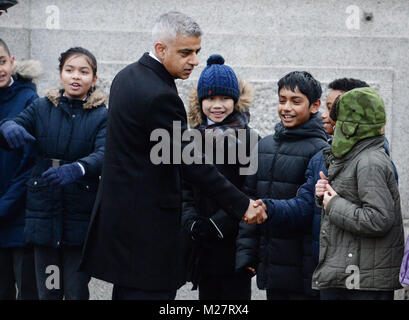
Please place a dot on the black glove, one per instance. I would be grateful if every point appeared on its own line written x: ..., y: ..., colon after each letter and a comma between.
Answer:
x: 203, y: 230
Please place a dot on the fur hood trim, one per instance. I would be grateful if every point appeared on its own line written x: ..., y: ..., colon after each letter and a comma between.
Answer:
x: 27, y: 69
x: 195, y: 114
x: 94, y: 100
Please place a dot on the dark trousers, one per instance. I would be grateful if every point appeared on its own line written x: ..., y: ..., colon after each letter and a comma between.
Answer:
x: 126, y: 293
x: 225, y: 287
x: 17, y: 268
x: 346, y: 294
x: 273, y: 294
x: 57, y: 275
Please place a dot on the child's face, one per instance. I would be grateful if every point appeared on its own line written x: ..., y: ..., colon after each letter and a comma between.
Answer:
x: 217, y: 108
x: 294, y: 107
x: 6, y: 68
x: 326, y: 120
x: 77, y: 77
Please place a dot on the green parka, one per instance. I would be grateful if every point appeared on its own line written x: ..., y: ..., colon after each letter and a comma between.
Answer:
x: 361, y: 238
x: 361, y: 228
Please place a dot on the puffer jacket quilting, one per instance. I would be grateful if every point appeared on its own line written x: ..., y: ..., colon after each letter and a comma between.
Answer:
x: 70, y: 130
x: 282, y: 256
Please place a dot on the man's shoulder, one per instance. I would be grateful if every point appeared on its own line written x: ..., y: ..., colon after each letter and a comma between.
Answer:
x: 138, y: 76
x: 131, y: 69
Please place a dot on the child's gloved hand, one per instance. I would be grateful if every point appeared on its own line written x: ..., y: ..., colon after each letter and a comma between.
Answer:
x: 63, y: 175
x: 15, y: 135
x: 203, y: 230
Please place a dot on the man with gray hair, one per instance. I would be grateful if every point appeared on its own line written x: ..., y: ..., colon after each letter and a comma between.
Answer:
x: 134, y: 235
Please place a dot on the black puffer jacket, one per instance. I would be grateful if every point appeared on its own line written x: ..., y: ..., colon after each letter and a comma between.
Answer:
x: 69, y: 130
x: 282, y: 257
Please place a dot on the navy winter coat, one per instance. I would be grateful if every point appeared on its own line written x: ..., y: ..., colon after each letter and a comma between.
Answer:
x: 70, y: 130
x: 15, y: 166
x: 282, y: 253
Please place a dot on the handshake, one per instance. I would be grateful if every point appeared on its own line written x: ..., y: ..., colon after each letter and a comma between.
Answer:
x: 256, y: 213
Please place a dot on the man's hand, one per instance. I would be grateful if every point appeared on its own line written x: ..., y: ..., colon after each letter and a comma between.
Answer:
x: 255, y: 214
x: 328, y: 195
x: 320, y: 186
x: 260, y: 203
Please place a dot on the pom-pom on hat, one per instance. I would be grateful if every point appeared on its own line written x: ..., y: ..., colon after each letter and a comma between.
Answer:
x: 217, y: 79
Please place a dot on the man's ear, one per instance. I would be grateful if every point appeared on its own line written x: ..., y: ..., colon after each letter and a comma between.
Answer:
x: 315, y: 106
x: 160, y: 50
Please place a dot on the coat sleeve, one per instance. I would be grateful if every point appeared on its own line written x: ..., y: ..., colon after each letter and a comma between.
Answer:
x: 26, y: 118
x: 167, y: 108
x: 376, y: 214
x: 247, y: 243
x: 189, y: 212
x: 297, y: 213
x: 93, y: 162
x: 16, y: 190
x: 250, y: 183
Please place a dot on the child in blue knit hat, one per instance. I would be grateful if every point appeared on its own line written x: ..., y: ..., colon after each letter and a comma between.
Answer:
x: 220, y: 102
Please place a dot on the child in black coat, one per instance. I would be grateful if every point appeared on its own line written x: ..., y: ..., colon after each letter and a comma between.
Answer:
x: 219, y: 107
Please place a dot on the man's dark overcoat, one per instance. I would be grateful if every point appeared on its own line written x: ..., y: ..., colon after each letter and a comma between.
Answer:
x: 133, y: 239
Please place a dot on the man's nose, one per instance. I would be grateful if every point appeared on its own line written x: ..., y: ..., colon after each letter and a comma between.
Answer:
x: 194, y: 60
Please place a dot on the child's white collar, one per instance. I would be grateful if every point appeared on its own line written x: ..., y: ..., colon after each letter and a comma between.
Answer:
x: 11, y: 82
x: 210, y: 122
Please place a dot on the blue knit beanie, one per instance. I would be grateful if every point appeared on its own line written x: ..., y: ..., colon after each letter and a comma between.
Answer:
x: 217, y: 79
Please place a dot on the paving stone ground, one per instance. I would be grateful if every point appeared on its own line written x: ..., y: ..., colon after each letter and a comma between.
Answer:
x: 101, y: 290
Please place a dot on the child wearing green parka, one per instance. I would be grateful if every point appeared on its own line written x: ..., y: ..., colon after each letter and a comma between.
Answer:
x: 361, y: 239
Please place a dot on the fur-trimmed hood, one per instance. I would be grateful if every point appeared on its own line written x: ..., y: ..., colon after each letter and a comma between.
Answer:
x: 94, y: 100
x: 27, y: 69
x: 195, y: 114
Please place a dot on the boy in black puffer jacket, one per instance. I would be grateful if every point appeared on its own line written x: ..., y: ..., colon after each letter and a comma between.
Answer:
x: 280, y: 256
x: 220, y: 106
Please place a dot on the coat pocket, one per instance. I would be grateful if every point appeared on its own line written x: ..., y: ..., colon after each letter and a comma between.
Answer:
x: 79, y: 197
x: 39, y: 228
x: 39, y: 196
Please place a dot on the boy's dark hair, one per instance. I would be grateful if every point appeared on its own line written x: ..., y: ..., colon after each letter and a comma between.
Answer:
x: 304, y: 81
x: 333, y: 112
x: 347, y: 84
x: 78, y: 51
x: 343, y: 84
x: 4, y: 45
